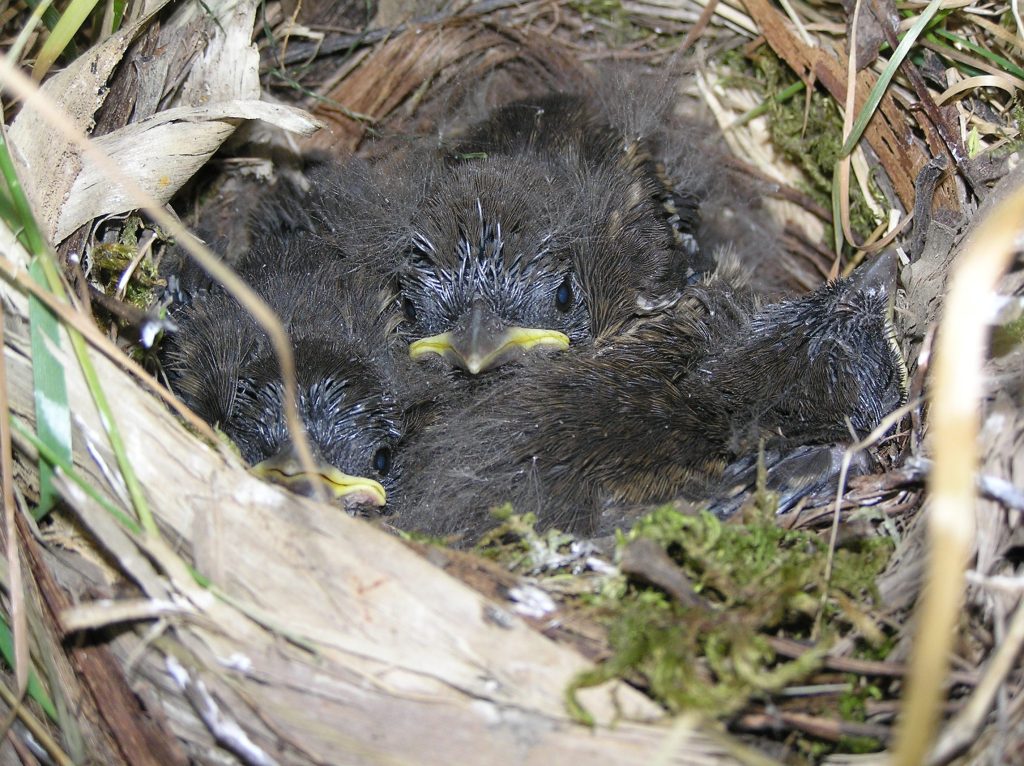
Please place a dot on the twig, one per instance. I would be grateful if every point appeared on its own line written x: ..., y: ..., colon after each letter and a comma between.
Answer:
x: 888, y: 422
x: 699, y: 25
x: 792, y: 649
x: 950, y: 140
x: 917, y: 469
x: 829, y: 729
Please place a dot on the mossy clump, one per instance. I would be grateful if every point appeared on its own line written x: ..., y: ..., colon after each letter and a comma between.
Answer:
x: 852, y: 706
x: 111, y: 260
x: 808, y: 133
x: 1007, y: 337
x: 751, y: 581
x: 614, y: 21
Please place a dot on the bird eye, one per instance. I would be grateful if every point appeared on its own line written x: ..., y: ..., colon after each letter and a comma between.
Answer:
x: 382, y: 461
x: 409, y: 309
x: 563, y: 298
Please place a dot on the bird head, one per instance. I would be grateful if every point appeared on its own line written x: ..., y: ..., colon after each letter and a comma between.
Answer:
x: 859, y: 340
x: 352, y: 422
x: 489, y: 272
x: 803, y: 370
x: 352, y: 390
x: 517, y: 252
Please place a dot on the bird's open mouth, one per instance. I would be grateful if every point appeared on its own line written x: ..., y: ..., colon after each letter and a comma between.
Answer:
x: 350, y: 491
x: 478, y: 354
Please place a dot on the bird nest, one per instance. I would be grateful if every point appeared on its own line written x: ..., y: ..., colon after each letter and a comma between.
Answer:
x: 171, y: 607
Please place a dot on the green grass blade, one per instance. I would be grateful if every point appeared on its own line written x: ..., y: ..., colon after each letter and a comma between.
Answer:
x: 993, y: 58
x: 24, y: 223
x: 51, y: 17
x: 50, y: 391
x: 35, y: 689
x: 53, y: 415
x: 37, y: 244
x: 68, y: 469
x: 120, y: 6
x: 949, y: 53
x: 779, y: 98
x: 92, y: 380
x: 65, y: 30
x: 7, y: 211
x: 875, y: 97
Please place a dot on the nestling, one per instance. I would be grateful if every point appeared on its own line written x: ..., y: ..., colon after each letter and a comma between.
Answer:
x: 353, y: 395
x: 543, y: 226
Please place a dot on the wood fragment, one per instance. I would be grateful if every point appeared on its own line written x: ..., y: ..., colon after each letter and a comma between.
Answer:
x: 828, y: 729
x: 643, y: 558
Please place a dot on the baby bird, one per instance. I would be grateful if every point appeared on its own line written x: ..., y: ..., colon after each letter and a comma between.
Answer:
x: 544, y: 226
x: 676, y: 408
x: 353, y: 395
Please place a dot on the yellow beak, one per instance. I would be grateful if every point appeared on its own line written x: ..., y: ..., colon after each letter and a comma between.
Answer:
x: 285, y: 469
x: 482, y: 342
x: 507, y: 345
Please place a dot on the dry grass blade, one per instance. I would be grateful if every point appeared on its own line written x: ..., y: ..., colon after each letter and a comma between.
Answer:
x: 36, y: 727
x: 970, y: 84
x: 159, y: 154
x: 879, y: 88
x: 879, y: 431
x: 956, y: 396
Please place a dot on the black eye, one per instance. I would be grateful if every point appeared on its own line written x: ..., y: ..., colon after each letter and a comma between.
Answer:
x: 409, y: 309
x: 563, y: 298
x: 382, y: 461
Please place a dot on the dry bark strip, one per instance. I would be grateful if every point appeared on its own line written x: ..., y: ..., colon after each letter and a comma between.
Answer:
x: 216, y: 91
x: 388, y: 76
x: 449, y: 57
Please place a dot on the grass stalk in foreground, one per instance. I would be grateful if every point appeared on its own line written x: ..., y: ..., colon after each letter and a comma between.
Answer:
x: 49, y: 382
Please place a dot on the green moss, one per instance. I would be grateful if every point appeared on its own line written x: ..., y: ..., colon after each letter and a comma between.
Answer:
x: 859, y: 745
x: 852, y: 705
x: 111, y: 260
x: 754, y: 580
x: 518, y: 546
x: 857, y: 565
x: 875, y: 652
x: 807, y: 133
x: 1007, y: 337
